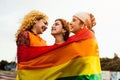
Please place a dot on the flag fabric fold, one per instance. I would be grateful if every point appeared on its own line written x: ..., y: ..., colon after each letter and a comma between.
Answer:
x: 76, y: 59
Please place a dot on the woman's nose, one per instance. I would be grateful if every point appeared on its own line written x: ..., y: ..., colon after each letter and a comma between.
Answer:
x: 70, y: 23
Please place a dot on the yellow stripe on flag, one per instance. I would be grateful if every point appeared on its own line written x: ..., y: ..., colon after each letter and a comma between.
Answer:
x: 81, y: 66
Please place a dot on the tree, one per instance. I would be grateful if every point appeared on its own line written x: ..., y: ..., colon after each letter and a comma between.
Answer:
x: 2, y: 64
x: 111, y: 64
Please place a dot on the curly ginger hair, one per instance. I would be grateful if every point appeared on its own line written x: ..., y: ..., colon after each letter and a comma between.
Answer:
x: 28, y: 21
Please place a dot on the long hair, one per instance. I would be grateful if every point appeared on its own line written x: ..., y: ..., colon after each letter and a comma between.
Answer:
x: 66, y: 27
x: 28, y: 20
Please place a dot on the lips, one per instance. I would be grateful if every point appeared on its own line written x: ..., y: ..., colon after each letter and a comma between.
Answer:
x: 44, y: 28
x: 71, y: 27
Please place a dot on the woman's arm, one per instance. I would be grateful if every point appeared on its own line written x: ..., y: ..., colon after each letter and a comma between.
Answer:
x: 23, y: 39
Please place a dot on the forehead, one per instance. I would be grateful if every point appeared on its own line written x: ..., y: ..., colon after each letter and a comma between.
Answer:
x: 43, y: 20
x: 57, y: 21
x: 74, y: 17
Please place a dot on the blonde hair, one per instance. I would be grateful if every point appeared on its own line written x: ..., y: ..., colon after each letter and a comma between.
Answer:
x: 28, y: 20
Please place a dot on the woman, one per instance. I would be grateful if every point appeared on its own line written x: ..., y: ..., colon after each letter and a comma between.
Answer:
x: 33, y: 24
x: 89, y: 66
x: 60, y: 30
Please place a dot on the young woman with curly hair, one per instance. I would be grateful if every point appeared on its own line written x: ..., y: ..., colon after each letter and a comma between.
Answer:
x: 33, y: 24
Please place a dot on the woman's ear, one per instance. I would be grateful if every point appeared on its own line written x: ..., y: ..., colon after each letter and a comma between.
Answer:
x: 82, y: 25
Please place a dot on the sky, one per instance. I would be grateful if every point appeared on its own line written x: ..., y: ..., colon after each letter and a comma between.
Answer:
x: 106, y: 12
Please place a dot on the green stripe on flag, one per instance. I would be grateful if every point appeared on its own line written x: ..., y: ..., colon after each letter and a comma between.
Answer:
x: 83, y: 77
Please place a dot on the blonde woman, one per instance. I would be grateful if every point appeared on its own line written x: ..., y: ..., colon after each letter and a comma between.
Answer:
x: 33, y: 24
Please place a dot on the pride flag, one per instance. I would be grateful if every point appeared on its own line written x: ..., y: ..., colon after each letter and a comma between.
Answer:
x: 76, y: 59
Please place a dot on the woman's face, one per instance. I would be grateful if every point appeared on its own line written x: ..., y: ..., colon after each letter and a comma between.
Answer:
x: 57, y: 28
x: 75, y: 25
x: 40, y: 26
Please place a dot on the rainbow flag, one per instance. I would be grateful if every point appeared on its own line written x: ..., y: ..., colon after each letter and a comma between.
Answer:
x: 76, y: 59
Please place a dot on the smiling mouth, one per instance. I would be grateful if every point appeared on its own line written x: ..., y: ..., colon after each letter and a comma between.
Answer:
x: 71, y: 27
x: 44, y: 28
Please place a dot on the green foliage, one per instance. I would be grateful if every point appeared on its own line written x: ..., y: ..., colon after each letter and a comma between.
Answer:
x: 111, y: 64
x: 4, y: 63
